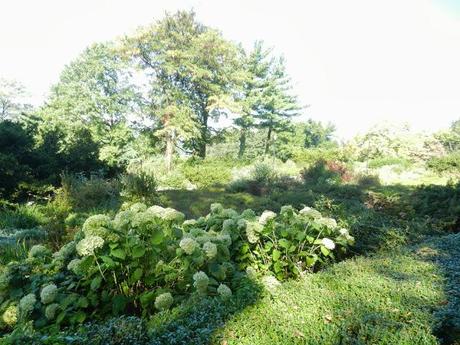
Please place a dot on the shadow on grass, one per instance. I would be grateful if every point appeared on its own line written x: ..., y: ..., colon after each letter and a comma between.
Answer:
x: 445, y: 254
x: 196, y: 321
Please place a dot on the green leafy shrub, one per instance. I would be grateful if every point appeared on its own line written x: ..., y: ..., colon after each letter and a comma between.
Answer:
x: 440, y: 204
x: 82, y: 192
x: 326, y: 172
x: 292, y: 242
x: 379, y: 162
x: 445, y: 164
x: 207, y: 172
x: 259, y: 181
x: 366, y: 180
x: 146, y: 259
x: 139, y: 186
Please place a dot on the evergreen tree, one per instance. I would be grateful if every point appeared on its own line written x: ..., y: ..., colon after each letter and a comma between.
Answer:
x: 266, y: 99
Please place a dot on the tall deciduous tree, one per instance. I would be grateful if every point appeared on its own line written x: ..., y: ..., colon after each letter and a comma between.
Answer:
x: 11, y: 99
x: 192, y: 71
x: 94, y: 92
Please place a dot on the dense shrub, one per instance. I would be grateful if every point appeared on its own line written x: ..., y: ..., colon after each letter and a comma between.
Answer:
x: 327, y: 172
x: 81, y: 192
x: 207, y: 172
x: 258, y: 181
x: 145, y: 260
x: 446, y: 164
x: 139, y: 186
x: 440, y: 204
x: 388, y: 160
x: 312, y: 155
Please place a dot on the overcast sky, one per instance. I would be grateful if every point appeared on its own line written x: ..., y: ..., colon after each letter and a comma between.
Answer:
x: 354, y: 62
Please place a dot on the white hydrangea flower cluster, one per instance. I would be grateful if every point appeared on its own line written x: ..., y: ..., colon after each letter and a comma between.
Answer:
x: 168, y: 214
x: 266, y: 216
x: 228, y: 213
x: 241, y: 224
x: 228, y: 224
x: 27, y: 304
x: 89, y: 244
x: 51, y: 310
x: 66, y: 251
x: 39, y: 251
x: 216, y: 208
x: 328, y: 222
x: 164, y: 301
x: 122, y: 220
x: 201, y: 281
x: 138, y: 207
x: 251, y: 272
x: 328, y: 243
x: 189, y: 223
x: 188, y: 245
x: 75, y: 267
x: 345, y: 233
x: 225, y: 238
x: 10, y: 315
x: 210, y: 249
x: 224, y: 291
x: 100, y: 225
x: 252, y: 231
x: 310, y: 212
x: 48, y: 294
x: 287, y: 210
x: 248, y: 214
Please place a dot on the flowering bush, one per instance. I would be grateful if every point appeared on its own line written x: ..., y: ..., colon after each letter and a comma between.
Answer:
x: 292, y: 242
x: 145, y: 259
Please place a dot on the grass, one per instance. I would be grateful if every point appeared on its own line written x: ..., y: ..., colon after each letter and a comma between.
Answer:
x: 390, y: 298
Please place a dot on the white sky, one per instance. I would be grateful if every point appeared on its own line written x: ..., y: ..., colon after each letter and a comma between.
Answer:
x: 355, y: 62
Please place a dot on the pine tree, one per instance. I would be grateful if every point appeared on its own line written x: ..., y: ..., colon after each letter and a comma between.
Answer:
x: 266, y: 101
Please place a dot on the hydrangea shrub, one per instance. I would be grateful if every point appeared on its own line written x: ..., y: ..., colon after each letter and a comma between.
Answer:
x: 145, y: 259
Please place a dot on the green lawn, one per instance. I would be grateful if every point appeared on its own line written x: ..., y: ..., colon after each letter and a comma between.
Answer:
x: 392, y: 298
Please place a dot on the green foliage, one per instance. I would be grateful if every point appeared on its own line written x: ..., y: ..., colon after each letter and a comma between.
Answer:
x: 93, y: 93
x: 389, y: 140
x: 11, y: 99
x: 440, y: 204
x: 146, y: 259
x: 22, y: 217
x: 327, y: 172
x: 139, y: 185
x: 192, y: 72
x: 446, y: 164
x: 383, y: 161
x: 292, y: 242
x: 312, y: 155
x: 260, y: 180
x: 207, y: 172
x: 15, y: 156
x: 81, y: 192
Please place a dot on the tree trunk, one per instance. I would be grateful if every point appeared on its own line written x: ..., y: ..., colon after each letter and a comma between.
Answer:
x: 243, y: 134
x: 204, y: 136
x: 169, y: 141
x: 169, y: 150
x: 269, y: 138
